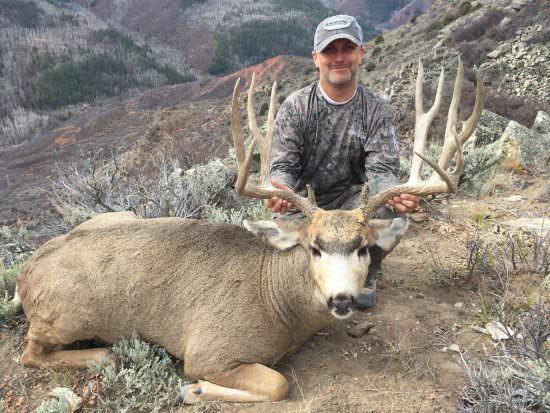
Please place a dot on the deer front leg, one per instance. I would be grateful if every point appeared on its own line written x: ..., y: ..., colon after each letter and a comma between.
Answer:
x: 246, y: 383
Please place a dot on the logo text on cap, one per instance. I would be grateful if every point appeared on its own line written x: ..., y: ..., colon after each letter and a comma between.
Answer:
x: 337, y: 23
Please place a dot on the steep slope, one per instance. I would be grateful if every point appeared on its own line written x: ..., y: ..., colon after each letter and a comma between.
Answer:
x: 53, y: 56
x: 187, y: 121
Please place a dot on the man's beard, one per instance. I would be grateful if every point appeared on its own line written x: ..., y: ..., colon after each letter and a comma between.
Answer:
x: 340, y: 81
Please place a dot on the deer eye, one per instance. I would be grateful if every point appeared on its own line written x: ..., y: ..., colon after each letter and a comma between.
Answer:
x: 315, y: 252
x: 361, y: 252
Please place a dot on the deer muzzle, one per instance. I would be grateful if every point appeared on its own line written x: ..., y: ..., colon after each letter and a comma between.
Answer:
x: 341, y: 305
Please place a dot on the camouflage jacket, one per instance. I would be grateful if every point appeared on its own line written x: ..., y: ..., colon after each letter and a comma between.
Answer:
x: 334, y: 147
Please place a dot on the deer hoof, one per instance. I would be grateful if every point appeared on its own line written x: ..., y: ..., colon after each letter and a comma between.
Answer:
x: 189, y: 394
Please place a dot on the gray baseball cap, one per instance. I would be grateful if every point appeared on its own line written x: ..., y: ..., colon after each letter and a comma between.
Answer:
x: 337, y: 27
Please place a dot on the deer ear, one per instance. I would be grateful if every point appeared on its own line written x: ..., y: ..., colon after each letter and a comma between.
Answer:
x: 281, y: 237
x: 388, y: 232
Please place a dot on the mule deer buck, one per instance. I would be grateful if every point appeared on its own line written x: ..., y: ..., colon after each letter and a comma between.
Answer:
x: 228, y: 303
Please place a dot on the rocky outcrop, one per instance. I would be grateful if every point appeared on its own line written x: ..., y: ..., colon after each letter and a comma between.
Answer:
x: 495, y: 147
x: 489, y: 129
x: 532, y: 148
x: 542, y: 123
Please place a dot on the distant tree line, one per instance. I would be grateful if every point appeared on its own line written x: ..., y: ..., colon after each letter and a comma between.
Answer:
x: 89, y: 75
x: 188, y: 3
x: 21, y: 13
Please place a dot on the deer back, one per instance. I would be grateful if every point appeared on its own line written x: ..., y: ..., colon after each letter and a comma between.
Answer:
x: 185, y: 284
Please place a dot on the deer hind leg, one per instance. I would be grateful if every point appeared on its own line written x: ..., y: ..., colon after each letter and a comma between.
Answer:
x: 44, y: 356
x: 41, y: 349
x: 245, y: 384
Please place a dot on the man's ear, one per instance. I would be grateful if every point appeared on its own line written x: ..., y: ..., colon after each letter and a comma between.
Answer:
x: 281, y: 237
x: 388, y: 232
x: 314, y: 56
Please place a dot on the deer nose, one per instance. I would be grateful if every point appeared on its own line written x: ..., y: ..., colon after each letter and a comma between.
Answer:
x: 341, y: 304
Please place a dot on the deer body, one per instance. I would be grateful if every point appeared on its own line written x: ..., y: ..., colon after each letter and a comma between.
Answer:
x: 106, y: 280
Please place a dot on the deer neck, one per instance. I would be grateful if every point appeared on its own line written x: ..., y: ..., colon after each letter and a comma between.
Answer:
x: 292, y: 293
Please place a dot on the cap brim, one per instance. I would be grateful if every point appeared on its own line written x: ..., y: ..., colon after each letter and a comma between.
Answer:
x: 334, y: 37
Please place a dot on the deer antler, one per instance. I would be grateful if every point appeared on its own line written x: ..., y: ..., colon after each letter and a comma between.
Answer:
x: 263, y: 189
x: 442, y: 181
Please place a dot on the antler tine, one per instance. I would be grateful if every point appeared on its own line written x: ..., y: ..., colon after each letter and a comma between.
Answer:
x: 263, y: 190
x: 471, y: 123
x: 266, y: 144
x: 250, y: 111
x: 243, y: 162
x: 442, y: 181
x: 423, y: 121
x: 468, y: 128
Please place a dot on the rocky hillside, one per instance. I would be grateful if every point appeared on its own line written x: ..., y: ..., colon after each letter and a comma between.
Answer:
x: 56, y: 55
x: 53, y: 57
x: 507, y: 40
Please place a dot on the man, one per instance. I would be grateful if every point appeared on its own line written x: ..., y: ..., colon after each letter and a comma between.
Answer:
x: 335, y: 135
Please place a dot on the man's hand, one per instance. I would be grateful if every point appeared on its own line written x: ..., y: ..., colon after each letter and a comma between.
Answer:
x: 404, y: 203
x: 277, y: 204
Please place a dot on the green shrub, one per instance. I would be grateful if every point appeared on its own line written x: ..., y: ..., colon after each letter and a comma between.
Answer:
x: 8, y: 278
x: 378, y: 39
x: 464, y: 8
x: 370, y: 66
x: 263, y: 109
x: 145, y: 381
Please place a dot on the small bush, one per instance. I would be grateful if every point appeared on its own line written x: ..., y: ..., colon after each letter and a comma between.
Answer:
x: 8, y: 278
x: 517, y: 377
x: 101, y: 185
x: 370, y: 66
x: 378, y: 39
x: 464, y: 8
x: 146, y: 379
x: 263, y: 109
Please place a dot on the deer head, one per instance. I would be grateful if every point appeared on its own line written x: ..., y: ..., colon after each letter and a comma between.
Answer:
x: 337, y: 241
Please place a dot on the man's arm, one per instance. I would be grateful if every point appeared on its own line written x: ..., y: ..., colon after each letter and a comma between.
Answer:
x: 287, y: 146
x: 286, y: 155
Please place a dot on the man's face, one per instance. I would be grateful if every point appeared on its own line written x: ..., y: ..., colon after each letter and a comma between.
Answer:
x: 339, y: 61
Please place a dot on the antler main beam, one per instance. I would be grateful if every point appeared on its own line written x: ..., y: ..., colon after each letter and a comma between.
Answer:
x: 442, y: 181
x: 263, y: 189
